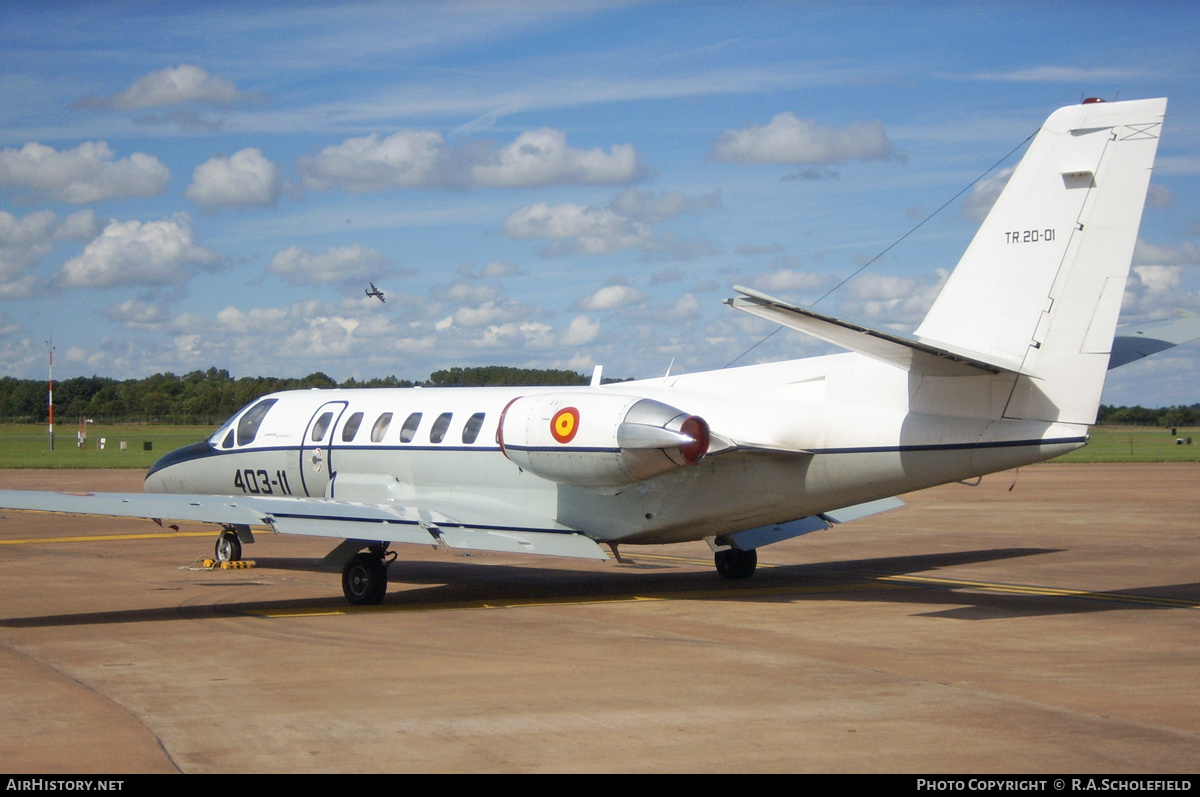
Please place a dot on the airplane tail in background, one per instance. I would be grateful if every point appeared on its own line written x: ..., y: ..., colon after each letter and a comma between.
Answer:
x: 1039, y: 289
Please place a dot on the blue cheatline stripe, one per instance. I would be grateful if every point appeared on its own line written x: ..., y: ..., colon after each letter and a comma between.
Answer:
x: 951, y: 446
x: 204, y: 450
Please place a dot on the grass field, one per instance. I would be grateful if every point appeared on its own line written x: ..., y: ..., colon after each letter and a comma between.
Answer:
x: 1137, y: 444
x: 26, y: 446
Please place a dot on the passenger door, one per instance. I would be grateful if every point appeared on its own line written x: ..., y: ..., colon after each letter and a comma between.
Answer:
x: 316, y: 466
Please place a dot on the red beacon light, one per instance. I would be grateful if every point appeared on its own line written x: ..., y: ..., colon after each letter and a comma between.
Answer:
x: 1090, y: 100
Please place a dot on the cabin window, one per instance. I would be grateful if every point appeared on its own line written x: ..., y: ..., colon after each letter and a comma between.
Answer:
x: 228, y: 440
x: 320, y: 427
x: 380, y: 428
x: 471, y: 428
x: 438, y: 431
x: 409, y: 430
x: 247, y: 427
x: 351, y: 427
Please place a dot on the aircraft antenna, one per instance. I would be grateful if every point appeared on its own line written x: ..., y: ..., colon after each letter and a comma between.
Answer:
x: 897, y: 242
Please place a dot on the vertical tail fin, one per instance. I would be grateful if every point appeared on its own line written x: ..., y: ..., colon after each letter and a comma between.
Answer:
x: 1040, y: 287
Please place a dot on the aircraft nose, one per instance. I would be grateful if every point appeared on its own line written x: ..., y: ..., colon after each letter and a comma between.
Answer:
x: 156, y: 477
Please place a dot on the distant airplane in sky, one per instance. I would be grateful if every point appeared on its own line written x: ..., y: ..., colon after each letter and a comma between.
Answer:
x: 378, y: 294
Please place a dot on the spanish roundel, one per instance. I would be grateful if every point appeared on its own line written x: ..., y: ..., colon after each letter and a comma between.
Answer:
x: 565, y: 424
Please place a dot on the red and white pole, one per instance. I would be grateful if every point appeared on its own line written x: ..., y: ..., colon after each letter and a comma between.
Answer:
x: 51, y: 395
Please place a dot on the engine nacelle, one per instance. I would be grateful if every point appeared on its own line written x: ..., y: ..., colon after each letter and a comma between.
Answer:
x: 599, y: 439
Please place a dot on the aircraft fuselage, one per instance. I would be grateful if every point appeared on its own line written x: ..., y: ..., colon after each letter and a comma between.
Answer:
x: 789, y: 440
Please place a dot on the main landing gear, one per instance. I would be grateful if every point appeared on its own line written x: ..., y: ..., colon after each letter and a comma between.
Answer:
x: 732, y: 563
x: 364, y: 578
x: 229, y: 547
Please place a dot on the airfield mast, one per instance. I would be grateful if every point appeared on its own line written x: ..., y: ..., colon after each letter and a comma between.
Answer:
x: 50, y: 343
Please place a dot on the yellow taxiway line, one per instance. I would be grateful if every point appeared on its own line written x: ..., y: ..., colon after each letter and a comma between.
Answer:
x: 157, y: 535
x: 1047, y: 592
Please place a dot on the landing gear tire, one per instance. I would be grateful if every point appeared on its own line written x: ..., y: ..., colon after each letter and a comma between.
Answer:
x: 229, y: 547
x: 732, y: 563
x: 364, y: 579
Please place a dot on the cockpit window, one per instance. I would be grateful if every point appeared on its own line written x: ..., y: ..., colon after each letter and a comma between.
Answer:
x: 228, y: 441
x: 247, y: 427
x: 351, y: 427
x: 438, y: 431
x: 320, y: 427
x: 380, y: 428
x: 471, y: 428
x: 409, y: 430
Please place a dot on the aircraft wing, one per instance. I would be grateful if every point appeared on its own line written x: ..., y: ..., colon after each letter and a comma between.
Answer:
x: 456, y: 525
x: 911, y: 355
x: 1135, y: 342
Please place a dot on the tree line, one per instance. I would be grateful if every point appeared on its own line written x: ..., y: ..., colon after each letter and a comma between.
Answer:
x: 1178, y: 415
x: 209, y: 397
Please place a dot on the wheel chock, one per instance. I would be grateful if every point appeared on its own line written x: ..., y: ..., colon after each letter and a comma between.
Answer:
x: 241, y: 564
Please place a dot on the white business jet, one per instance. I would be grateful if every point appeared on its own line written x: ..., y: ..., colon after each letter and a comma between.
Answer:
x: 1006, y: 369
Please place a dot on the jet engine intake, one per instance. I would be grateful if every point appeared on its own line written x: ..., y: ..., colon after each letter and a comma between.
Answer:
x: 599, y: 440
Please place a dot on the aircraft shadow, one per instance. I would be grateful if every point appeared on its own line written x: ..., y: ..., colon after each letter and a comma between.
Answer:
x: 901, y: 579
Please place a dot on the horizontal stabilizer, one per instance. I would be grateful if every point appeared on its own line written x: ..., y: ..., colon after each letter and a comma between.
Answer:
x: 901, y: 352
x: 1133, y: 343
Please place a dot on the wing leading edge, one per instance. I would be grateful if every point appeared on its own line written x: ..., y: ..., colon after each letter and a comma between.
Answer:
x: 462, y: 529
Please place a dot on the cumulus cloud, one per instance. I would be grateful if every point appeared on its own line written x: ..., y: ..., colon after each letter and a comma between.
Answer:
x: 786, y: 279
x: 892, y: 300
x: 1154, y: 254
x: 87, y: 173
x: 977, y: 205
x: 134, y: 314
x: 622, y: 224
x: 1153, y: 290
x: 459, y: 291
x: 489, y: 313
x: 685, y: 307
x: 542, y: 157
x: 244, y: 178
x: 649, y: 207
x: 162, y: 252
x: 344, y: 264
x: 25, y: 241
x: 611, y: 297
x: 581, y: 331
x: 174, y: 85
x: 789, y: 139
x: 578, y: 228
x: 407, y: 159
x: 1159, y: 279
x: 82, y: 225
x: 492, y: 270
x: 423, y: 159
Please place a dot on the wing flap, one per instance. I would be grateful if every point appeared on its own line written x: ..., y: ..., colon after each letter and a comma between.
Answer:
x: 522, y: 541
x: 765, y: 535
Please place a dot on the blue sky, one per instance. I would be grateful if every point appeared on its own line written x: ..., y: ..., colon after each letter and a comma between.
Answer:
x: 547, y: 185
